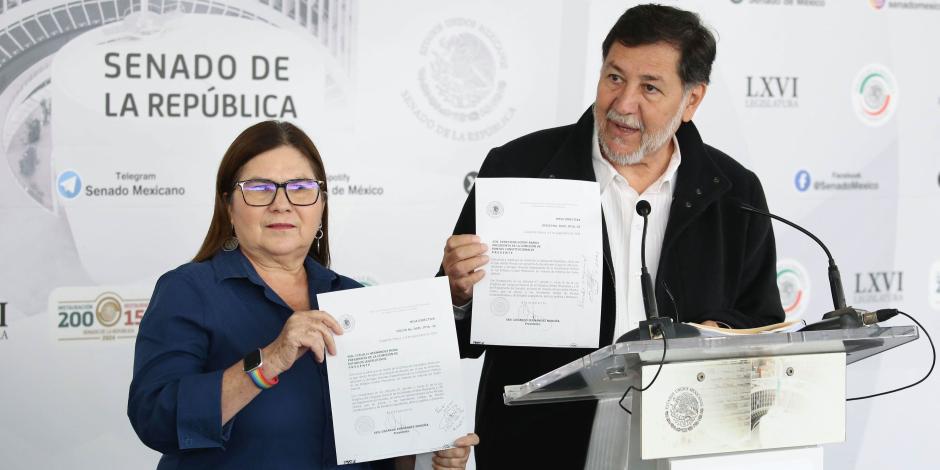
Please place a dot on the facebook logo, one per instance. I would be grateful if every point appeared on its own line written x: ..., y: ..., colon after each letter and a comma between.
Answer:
x: 802, y: 180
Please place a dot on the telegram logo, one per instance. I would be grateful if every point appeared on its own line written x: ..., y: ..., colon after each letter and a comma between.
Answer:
x: 69, y: 184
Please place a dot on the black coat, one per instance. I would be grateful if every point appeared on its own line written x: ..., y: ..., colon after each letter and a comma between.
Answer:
x: 718, y: 262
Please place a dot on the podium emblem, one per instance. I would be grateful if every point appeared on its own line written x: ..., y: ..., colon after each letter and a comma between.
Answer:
x: 684, y: 409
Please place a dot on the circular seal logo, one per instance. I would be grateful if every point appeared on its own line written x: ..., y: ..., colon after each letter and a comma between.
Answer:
x: 348, y: 322
x: 877, y: 4
x: 499, y: 306
x: 69, y: 184
x: 469, y: 180
x: 460, y: 78
x: 365, y: 425
x: 684, y: 409
x: 793, y: 284
x: 495, y: 209
x: 108, y: 309
x: 461, y: 73
x: 875, y: 95
x: 462, y: 81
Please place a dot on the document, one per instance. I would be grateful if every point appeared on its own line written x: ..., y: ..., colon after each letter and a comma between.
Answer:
x: 784, y: 327
x: 395, y: 381
x: 543, y: 281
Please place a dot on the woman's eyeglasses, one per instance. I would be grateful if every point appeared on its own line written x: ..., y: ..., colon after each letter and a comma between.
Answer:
x: 300, y: 192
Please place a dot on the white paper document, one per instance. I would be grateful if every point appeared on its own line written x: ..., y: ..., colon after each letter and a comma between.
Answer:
x: 395, y: 382
x: 543, y: 281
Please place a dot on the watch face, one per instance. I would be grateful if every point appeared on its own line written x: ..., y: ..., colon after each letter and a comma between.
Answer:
x: 252, y: 360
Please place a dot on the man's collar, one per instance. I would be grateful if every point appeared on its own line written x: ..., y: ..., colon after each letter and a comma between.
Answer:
x: 669, y: 175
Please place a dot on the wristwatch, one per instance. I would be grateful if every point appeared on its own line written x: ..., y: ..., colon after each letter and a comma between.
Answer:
x: 252, y: 364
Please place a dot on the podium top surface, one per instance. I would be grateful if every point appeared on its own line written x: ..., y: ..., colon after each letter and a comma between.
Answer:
x: 607, y: 372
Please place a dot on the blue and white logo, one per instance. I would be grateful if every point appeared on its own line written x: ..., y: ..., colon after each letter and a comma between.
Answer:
x: 69, y: 184
x: 802, y: 180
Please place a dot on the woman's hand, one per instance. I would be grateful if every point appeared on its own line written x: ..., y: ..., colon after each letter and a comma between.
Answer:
x: 456, y: 458
x: 309, y: 330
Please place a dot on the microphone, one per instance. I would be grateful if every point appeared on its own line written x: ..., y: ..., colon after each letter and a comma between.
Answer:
x: 835, y: 278
x: 654, y: 326
x: 842, y: 317
x: 849, y: 318
x: 643, y: 208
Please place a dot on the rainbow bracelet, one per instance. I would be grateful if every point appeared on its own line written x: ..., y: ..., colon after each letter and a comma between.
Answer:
x: 260, y: 380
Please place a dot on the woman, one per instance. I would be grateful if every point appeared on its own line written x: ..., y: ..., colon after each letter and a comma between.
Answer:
x: 222, y: 378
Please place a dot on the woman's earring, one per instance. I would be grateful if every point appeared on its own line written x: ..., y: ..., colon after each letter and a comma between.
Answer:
x: 230, y: 244
x: 318, y: 236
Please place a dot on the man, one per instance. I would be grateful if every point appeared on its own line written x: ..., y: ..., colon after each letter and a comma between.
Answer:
x: 712, y: 262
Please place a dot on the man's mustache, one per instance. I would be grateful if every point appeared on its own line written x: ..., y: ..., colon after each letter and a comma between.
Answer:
x: 628, y: 120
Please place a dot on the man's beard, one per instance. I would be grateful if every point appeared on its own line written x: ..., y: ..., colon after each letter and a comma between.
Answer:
x: 649, y: 142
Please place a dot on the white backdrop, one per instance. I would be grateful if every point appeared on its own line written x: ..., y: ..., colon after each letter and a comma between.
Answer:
x: 834, y: 104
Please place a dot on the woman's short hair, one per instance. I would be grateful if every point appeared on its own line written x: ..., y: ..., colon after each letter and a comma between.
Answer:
x: 255, y: 140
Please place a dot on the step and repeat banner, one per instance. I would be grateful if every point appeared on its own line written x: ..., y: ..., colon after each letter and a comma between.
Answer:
x: 114, y: 115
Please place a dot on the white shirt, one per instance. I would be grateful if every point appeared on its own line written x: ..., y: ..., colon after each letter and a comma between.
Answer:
x: 610, y: 432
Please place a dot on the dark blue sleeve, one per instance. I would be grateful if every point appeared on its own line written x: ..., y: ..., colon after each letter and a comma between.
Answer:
x: 174, y: 403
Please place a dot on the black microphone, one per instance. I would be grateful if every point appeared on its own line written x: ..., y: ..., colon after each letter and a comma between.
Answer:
x: 841, y: 317
x: 646, y: 281
x: 835, y: 278
x: 655, y: 326
x: 847, y: 318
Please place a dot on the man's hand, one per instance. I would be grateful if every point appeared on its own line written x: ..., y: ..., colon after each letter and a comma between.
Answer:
x: 463, y: 254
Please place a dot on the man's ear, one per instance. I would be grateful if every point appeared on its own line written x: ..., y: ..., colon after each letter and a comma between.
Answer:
x: 696, y: 95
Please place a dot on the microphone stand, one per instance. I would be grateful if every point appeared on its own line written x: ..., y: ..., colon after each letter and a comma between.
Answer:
x: 841, y: 317
x: 655, y: 326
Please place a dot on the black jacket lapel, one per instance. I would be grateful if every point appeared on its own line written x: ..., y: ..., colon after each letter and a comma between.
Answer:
x: 699, y: 183
x: 572, y: 161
